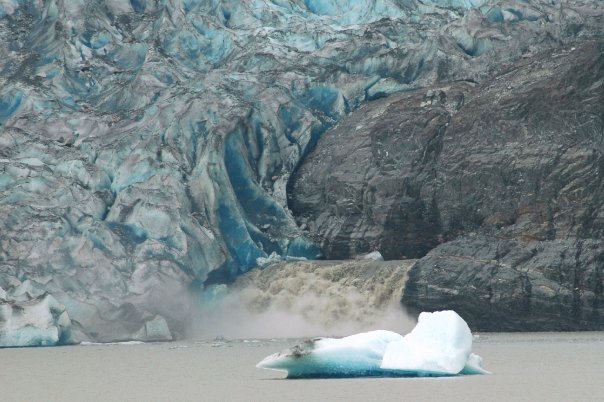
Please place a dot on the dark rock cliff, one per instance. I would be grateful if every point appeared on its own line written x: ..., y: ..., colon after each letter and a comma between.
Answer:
x: 497, y: 185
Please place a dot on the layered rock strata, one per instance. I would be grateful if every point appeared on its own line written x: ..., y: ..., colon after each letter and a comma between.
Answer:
x: 497, y: 186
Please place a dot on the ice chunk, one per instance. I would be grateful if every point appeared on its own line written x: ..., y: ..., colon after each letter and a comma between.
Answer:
x: 374, y: 255
x: 39, y: 322
x: 271, y: 259
x: 439, y: 345
x: 357, y: 355
x: 474, y: 365
x: 154, y: 330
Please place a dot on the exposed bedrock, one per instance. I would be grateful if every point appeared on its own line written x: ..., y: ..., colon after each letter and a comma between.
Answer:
x: 498, y: 186
x: 513, y: 284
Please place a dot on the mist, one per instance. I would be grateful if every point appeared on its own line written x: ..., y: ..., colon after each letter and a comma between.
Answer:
x: 304, y: 300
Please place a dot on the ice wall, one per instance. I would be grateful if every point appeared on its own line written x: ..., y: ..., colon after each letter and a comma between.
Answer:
x: 146, y: 145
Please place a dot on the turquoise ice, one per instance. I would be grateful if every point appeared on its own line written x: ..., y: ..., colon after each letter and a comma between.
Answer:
x: 439, y: 345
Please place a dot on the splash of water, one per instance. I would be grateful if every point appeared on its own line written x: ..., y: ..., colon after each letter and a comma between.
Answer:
x: 306, y: 299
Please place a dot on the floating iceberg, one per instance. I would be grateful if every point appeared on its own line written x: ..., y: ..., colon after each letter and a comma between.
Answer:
x: 439, y: 345
x: 357, y: 355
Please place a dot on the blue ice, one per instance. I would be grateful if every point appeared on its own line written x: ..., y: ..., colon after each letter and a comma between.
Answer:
x: 439, y: 345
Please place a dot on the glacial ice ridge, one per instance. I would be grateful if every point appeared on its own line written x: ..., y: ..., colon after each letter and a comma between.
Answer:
x: 439, y: 345
x: 148, y: 145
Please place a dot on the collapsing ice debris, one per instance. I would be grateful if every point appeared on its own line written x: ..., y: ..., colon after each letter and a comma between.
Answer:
x: 40, y: 321
x: 439, y: 345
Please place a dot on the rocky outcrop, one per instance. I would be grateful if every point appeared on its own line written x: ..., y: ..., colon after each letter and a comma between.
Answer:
x: 534, y: 199
x: 408, y: 172
x: 498, y: 186
x: 503, y: 284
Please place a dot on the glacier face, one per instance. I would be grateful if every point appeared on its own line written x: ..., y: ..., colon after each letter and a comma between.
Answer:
x: 148, y: 145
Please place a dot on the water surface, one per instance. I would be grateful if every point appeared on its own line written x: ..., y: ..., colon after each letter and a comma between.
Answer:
x: 526, y: 367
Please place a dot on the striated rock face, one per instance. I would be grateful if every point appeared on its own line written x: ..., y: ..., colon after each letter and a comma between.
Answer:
x: 410, y: 171
x: 531, y: 186
x: 497, y: 185
x: 512, y: 284
x: 148, y: 145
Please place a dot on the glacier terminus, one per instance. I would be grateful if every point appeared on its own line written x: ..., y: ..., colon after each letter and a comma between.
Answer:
x: 151, y: 148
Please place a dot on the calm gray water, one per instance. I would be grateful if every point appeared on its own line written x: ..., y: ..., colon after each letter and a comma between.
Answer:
x: 526, y: 367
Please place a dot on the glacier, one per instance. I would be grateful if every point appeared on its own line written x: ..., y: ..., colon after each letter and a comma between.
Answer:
x: 42, y: 321
x: 439, y: 345
x: 146, y: 147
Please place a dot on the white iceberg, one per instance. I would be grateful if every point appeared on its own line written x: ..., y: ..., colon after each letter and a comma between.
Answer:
x: 357, y: 355
x: 439, y: 345
x: 374, y: 255
x: 474, y: 366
